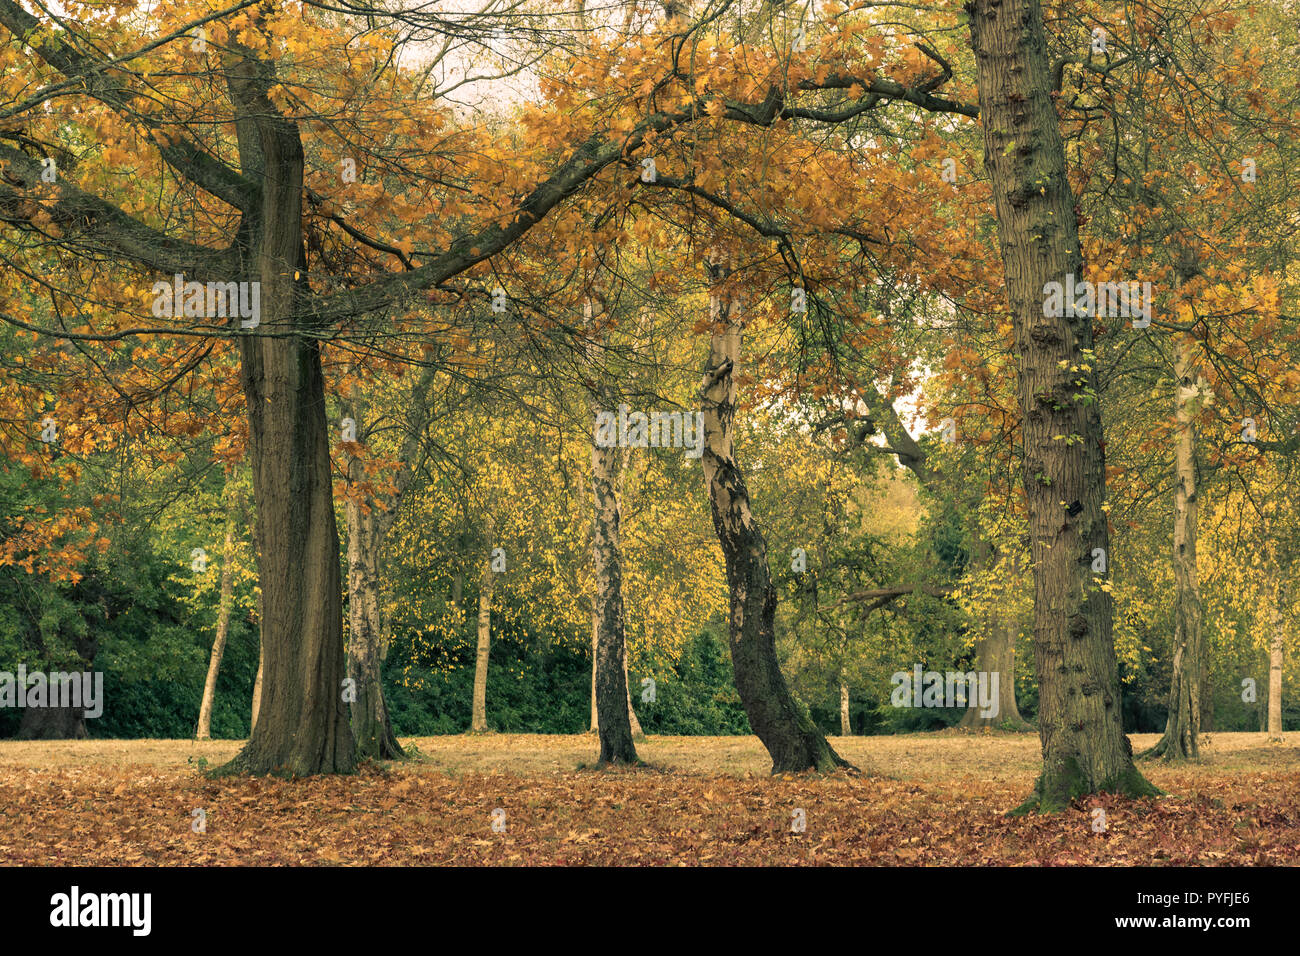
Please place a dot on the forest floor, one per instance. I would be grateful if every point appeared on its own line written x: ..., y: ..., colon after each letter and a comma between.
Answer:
x: 923, y: 799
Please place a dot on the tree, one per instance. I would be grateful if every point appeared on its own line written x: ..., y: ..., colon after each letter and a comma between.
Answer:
x: 1084, y: 746
x: 235, y: 516
x: 787, y: 731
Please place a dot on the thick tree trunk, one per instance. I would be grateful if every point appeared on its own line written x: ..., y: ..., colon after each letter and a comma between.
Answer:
x: 612, y: 698
x: 204, y: 730
x: 1275, y: 666
x: 1181, y: 740
x: 1079, y: 723
x: 846, y: 726
x: 782, y: 724
x: 478, y: 717
x: 366, y: 646
x: 52, y: 723
x: 302, y: 726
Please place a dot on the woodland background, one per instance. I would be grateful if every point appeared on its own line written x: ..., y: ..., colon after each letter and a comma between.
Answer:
x: 422, y: 133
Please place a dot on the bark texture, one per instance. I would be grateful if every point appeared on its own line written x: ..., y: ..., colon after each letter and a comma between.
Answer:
x: 612, y: 698
x: 995, y: 652
x: 487, y: 584
x: 367, y: 646
x: 785, y: 728
x: 302, y: 725
x: 1079, y: 723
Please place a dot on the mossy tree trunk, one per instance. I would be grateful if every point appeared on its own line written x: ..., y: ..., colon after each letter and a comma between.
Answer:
x: 1083, y: 742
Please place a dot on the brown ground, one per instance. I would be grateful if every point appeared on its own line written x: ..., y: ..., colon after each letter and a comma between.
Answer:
x: 925, y: 799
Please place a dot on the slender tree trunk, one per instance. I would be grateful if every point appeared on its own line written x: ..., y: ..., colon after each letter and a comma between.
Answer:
x: 487, y: 583
x: 637, y: 732
x: 1079, y: 723
x: 302, y: 725
x: 595, y: 641
x: 780, y: 722
x: 612, y: 698
x: 257, y: 689
x: 204, y: 730
x: 1275, y: 665
x: 366, y: 646
x: 846, y: 725
x: 1181, y: 740
x: 995, y: 653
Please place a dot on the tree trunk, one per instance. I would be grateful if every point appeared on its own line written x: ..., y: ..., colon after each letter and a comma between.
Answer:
x: 995, y: 653
x: 204, y: 730
x: 846, y: 726
x: 613, y: 702
x: 595, y: 640
x: 366, y: 646
x: 478, y: 718
x: 637, y: 732
x: 782, y: 724
x: 257, y: 689
x: 1079, y: 723
x: 594, y: 727
x: 1275, y: 666
x: 1181, y: 740
x: 52, y: 723
x: 302, y: 725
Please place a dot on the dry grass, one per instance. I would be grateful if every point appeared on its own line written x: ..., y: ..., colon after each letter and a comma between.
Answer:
x: 927, y: 798
x: 941, y: 758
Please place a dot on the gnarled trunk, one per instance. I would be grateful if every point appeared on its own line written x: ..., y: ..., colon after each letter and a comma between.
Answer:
x: 784, y: 727
x: 1079, y: 720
